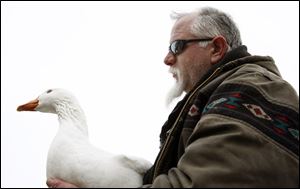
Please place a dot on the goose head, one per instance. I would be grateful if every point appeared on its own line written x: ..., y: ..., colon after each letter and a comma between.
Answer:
x: 49, y: 101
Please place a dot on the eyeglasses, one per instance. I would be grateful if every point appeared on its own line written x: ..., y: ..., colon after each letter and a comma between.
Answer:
x: 177, y: 46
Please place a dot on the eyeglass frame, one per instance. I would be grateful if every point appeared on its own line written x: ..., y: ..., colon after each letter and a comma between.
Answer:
x: 182, y: 43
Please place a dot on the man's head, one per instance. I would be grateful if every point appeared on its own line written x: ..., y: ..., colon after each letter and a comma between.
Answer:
x: 198, y: 40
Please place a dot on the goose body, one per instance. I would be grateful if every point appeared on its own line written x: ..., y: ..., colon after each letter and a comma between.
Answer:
x: 71, y: 157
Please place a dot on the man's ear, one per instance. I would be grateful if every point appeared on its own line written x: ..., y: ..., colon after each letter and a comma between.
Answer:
x: 219, y: 49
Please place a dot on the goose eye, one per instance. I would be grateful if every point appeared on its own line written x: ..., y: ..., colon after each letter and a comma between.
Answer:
x: 49, y: 91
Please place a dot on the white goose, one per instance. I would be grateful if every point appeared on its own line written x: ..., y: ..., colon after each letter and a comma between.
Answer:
x: 73, y: 158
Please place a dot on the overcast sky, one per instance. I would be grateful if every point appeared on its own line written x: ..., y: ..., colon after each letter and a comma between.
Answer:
x: 110, y: 55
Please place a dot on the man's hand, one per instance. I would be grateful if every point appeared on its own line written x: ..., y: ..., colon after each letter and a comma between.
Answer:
x: 57, y: 183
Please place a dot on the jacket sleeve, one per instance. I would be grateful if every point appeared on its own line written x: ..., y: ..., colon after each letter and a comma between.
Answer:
x: 227, y: 152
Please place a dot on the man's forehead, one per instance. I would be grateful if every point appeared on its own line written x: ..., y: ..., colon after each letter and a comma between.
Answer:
x: 181, y: 27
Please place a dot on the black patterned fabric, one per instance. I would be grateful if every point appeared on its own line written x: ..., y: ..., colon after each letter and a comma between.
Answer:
x: 246, y: 103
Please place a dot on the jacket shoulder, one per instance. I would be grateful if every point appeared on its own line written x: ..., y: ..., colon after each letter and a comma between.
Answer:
x: 244, y: 101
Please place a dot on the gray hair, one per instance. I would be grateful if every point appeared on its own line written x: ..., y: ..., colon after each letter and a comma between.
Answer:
x: 210, y: 22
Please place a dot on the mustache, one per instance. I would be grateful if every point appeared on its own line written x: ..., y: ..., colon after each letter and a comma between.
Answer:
x: 174, y: 71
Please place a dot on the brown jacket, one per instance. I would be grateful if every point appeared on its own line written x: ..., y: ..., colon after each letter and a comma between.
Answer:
x: 239, y: 127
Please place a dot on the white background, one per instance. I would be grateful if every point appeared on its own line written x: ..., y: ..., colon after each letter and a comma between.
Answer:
x: 110, y: 55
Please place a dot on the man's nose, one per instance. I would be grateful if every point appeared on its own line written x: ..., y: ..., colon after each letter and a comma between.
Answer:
x: 170, y: 59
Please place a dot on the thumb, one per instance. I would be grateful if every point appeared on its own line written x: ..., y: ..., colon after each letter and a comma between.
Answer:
x: 57, y: 183
x: 52, y: 183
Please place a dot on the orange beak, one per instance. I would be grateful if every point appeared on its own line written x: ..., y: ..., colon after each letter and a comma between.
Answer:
x: 30, y: 106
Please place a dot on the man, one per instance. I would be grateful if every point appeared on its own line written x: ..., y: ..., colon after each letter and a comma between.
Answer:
x: 238, y: 124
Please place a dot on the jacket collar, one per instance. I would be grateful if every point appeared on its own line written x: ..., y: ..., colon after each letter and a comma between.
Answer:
x: 232, y: 55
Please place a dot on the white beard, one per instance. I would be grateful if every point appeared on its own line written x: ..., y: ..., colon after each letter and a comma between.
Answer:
x: 178, y: 87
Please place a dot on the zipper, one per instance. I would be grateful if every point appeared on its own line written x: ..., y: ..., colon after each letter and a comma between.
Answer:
x: 170, y: 131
